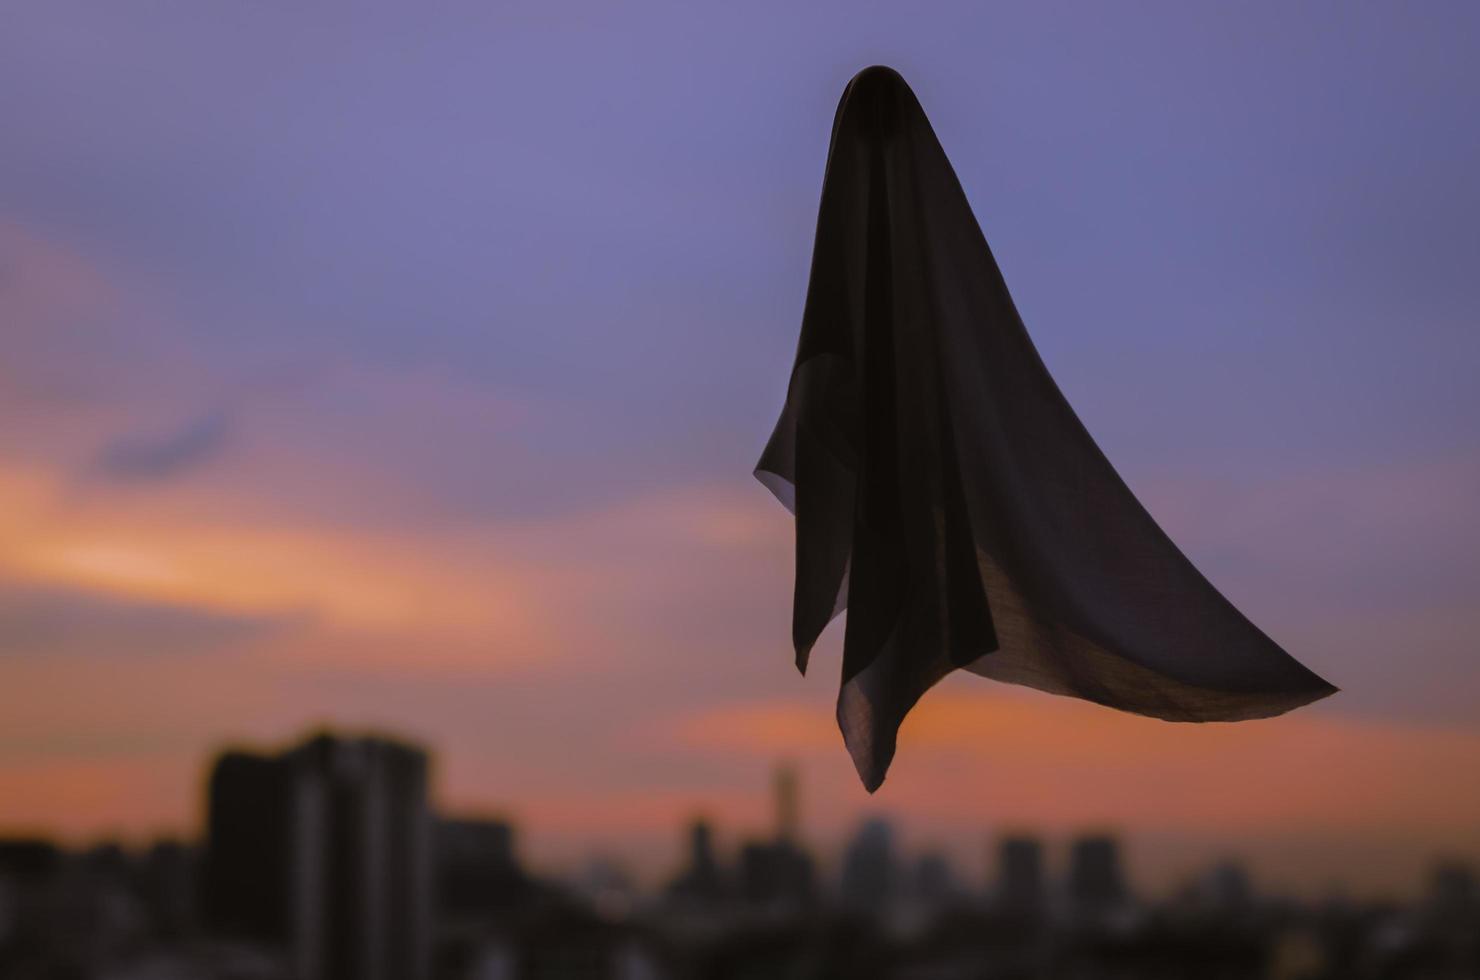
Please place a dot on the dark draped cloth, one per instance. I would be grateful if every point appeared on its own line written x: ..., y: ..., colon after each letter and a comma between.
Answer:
x: 946, y: 494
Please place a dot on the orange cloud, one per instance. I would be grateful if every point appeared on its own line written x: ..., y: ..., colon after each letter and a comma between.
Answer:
x: 1004, y: 755
x: 513, y: 584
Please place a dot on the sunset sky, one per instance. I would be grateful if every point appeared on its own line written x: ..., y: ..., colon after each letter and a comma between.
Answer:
x: 404, y: 370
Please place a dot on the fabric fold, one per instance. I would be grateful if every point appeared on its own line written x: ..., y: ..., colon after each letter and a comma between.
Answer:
x: 946, y: 494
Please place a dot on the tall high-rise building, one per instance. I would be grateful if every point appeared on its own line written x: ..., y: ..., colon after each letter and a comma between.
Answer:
x: 1226, y: 886
x: 788, y: 804
x: 778, y: 873
x: 1020, y: 874
x: 870, y: 875
x: 324, y: 852
x: 932, y: 881
x: 700, y: 881
x: 1454, y: 896
x: 250, y: 853
x: 1096, y: 884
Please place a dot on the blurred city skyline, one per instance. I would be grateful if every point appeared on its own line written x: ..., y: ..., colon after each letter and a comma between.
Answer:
x: 403, y: 370
x: 1016, y: 863
x: 327, y: 858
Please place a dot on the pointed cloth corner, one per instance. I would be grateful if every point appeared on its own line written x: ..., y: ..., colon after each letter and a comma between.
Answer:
x: 946, y: 494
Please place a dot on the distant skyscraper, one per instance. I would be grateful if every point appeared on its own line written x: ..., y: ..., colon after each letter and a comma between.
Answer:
x: 776, y: 874
x: 1227, y: 887
x: 932, y: 881
x: 788, y: 805
x: 1454, y: 894
x: 700, y: 880
x: 1020, y: 874
x: 1096, y: 883
x: 324, y: 852
x: 869, y: 872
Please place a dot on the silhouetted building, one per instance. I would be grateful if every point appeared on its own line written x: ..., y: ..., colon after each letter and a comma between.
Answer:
x: 27, y: 868
x: 477, y: 869
x: 932, y: 882
x: 565, y: 942
x: 777, y: 874
x: 248, y: 891
x: 1020, y: 875
x: 28, y: 858
x: 167, y: 882
x: 324, y: 852
x: 66, y: 914
x: 869, y: 873
x: 606, y: 886
x: 1096, y: 884
x: 1227, y: 888
x: 788, y: 804
x: 1454, y: 886
x: 1454, y: 901
x: 700, y: 880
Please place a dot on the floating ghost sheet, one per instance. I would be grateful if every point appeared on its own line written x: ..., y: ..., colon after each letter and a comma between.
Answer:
x: 946, y: 494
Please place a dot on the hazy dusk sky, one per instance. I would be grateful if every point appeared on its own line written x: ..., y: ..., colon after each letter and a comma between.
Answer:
x: 403, y: 367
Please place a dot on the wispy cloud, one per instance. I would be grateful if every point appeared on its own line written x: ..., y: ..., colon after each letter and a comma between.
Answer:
x: 160, y: 455
x: 56, y: 621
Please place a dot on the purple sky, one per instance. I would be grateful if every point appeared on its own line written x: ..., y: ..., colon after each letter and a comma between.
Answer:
x: 348, y: 281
